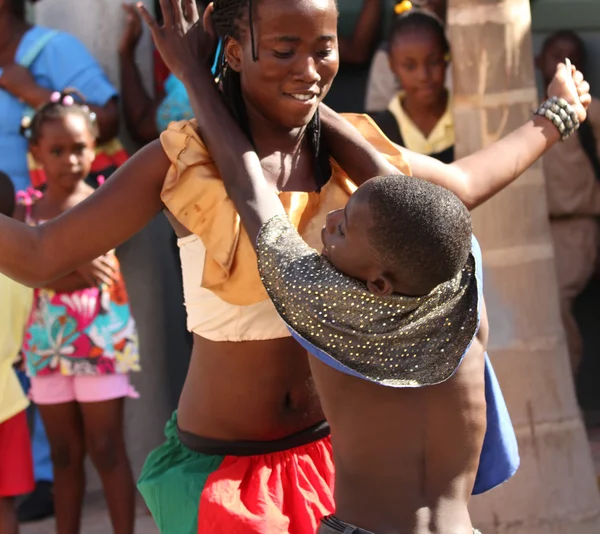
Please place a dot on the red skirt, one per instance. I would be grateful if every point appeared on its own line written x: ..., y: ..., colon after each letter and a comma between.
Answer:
x: 210, y: 487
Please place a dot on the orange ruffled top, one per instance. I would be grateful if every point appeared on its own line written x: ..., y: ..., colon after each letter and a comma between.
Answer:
x: 195, y: 195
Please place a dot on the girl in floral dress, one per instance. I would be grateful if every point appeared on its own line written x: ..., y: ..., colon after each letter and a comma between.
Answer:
x: 81, y: 341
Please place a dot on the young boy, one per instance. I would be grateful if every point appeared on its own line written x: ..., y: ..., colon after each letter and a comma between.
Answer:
x: 16, y: 464
x: 572, y: 172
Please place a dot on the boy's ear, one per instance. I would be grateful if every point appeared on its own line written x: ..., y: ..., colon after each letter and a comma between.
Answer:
x: 380, y: 286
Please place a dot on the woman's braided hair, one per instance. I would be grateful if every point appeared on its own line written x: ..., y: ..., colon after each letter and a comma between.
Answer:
x: 228, y: 19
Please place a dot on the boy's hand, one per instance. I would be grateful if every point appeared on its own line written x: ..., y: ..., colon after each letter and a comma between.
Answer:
x: 572, y: 87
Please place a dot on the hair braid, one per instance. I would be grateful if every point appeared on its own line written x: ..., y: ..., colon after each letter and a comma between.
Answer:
x: 228, y: 18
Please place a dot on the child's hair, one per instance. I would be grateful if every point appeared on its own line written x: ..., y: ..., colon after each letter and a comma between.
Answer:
x: 17, y: 8
x: 410, y: 17
x: 59, y: 106
x: 421, y: 231
x: 228, y: 19
x: 7, y: 195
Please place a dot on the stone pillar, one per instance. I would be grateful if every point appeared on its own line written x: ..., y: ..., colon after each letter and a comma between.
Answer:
x: 148, y: 263
x: 555, y: 490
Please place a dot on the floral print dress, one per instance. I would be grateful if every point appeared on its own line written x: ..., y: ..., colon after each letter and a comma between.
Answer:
x: 87, y: 332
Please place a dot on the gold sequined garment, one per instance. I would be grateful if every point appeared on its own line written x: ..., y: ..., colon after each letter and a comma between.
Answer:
x: 396, y: 341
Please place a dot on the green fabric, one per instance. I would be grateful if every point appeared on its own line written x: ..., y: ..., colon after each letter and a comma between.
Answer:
x: 172, y: 481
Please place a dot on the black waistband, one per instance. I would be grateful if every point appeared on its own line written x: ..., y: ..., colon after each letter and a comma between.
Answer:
x: 252, y: 448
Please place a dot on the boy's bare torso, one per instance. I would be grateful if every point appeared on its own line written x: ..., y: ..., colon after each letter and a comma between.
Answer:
x: 406, y: 459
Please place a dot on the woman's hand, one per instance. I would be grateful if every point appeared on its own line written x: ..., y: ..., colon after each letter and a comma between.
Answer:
x: 572, y: 87
x: 182, y: 42
x: 133, y: 30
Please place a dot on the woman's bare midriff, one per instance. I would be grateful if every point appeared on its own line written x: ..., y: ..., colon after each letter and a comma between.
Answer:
x: 248, y: 391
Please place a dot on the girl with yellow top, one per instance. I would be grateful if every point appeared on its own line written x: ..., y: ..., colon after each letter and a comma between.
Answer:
x: 420, y: 116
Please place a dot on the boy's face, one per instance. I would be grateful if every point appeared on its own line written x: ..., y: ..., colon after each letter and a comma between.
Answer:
x: 346, y: 242
x: 555, y: 52
x: 418, y: 59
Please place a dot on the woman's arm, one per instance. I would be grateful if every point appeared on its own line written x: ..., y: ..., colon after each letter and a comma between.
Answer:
x: 478, y: 177
x: 358, y: 48
x: 18, y: 81
x: 475, y: 178
x: 138, y: 107
x: 69, y: 283
x: 119, y: 209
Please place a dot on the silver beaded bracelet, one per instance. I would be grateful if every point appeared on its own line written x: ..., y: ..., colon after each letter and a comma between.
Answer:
x: 561, y: 114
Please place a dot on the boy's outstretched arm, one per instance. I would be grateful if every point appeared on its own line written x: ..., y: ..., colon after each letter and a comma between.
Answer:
x: 475, y: 178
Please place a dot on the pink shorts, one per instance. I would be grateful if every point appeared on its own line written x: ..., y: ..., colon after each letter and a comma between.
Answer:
x: 60, y: 389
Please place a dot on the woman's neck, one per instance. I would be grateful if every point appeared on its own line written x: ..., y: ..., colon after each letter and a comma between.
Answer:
x: 270, y: 138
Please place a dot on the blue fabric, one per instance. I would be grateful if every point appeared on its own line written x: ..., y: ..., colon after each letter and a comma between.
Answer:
x: 63, y: 62
x: 175, y: 106
x: 40, y: 447
x: 499, y: 458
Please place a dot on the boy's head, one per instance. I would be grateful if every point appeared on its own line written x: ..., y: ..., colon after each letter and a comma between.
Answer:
x: 419, y: 53
x: 557, y: 47
x: 7, y: 195
x: 399, y: 234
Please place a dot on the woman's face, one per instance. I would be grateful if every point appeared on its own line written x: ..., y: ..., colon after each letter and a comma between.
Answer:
x: 296, y: 44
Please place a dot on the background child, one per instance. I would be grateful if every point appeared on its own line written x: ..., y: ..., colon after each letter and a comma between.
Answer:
x: 81, y: 341
x: 420, y: 117
x: 572, y: 172
x: 382, y: 84
x: 16, y: 465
